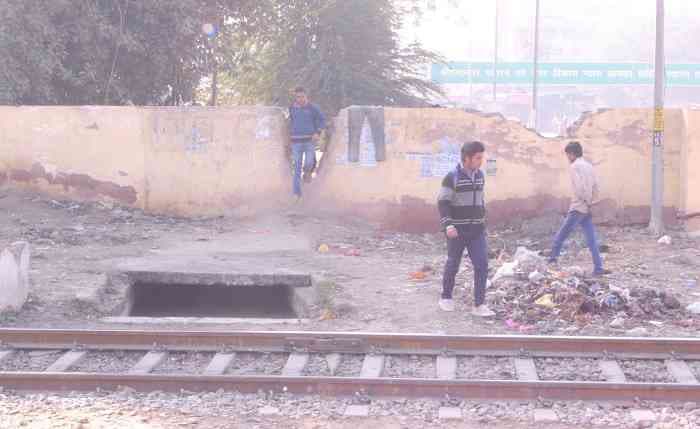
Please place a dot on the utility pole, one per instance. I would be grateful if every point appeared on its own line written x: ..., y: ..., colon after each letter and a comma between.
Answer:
x: 656, y: 223
x: 495, y: 53
x: 535, y: 77
x: 471, y: 53
x: 211, y: 30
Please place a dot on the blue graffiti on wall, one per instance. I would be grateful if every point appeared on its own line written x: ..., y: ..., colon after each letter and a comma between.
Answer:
x: 441, y: 163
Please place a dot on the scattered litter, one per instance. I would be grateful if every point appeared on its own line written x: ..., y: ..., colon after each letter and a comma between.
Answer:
x: 694, y: 308
x: 506, y: 270
x: 524, y: 255
x: 637, y: 332
x: 511, y: 324
x: 665, y: 240
x: 671, y: 301
x: 617, y: 323
x: 546, y: 301
x: 419, y: 275
x: 547, y: 298
x: 525, y: 329
x: 575, y: 271
x: 536, y: 277
x: 427, y: 269
x: 327, y: 314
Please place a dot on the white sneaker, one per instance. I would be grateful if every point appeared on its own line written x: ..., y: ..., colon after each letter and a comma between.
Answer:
x: 447, y: 305
x: 483, y: 311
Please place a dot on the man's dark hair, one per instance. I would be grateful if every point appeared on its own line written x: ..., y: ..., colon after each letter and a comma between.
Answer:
x: 575, y: 149
x: 472, y: 148
x: 299, y: 90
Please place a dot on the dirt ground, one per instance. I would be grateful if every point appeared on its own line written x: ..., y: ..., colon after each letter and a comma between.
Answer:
x: 366, y: 280
x: 375, y: 280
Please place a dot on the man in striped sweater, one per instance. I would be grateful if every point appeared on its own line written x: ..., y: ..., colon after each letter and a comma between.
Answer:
x: 463, y: 218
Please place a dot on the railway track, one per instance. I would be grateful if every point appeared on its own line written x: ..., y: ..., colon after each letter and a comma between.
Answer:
x: 317, y: 363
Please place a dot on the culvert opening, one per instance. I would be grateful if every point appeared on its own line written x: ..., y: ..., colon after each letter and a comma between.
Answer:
x: 159, y: 300
x: 225, y: 296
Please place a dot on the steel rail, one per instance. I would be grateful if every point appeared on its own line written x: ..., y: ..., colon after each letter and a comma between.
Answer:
x: 342, y: 342
x: 346, y: 386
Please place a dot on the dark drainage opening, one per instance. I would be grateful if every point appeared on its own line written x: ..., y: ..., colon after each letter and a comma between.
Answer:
x: 182, y: 300
x: 216, y: 295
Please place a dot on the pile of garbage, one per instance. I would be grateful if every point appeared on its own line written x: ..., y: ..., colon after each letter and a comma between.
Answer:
x: 528, y: 291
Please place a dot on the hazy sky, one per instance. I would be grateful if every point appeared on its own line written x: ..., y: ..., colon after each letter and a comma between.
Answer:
x: 596, y: 25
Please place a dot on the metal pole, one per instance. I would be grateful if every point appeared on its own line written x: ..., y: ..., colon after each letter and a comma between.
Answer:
x: 495, y: 53
x: 471, y: 51
x: 535, y: 77
x: 656, y: 223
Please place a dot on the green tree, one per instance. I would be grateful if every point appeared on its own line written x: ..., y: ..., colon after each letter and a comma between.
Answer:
x: 344, y: 51
x: 31, y: 50
x: 110, y: 51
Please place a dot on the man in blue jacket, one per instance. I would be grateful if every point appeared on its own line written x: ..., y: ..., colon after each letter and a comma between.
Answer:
x: 306, y: 123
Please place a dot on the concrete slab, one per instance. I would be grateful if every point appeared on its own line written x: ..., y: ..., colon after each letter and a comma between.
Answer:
x: 372, y: 366
x: 295, y: 364
x: 612, y: 372
x: 681, y: 372
x: 66, y: 361
x: 333, y: 361
x: 356, y: 411
x: 643, y: 416
x: 148, y: 363
x: 450, y: 413
x: 525, y: 369
x: 219, y: 363
x: 543, y: 415
x: 222, y: 278
x: 446, y: 367
x: 200, y: 321
x: 6, y: 354
x: 237, y: 252
x: 268, y: 410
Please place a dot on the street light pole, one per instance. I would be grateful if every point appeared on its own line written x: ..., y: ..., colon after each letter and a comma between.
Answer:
x: 535, y: 77
x: 495, y: 53
x: 211, y: 30
x: 656, y: 223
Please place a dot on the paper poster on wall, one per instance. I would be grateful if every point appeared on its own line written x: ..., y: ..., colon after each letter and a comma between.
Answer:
x: 491, y: 167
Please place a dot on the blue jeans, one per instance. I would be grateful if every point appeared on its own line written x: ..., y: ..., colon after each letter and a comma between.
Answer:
x: 573, y: 219
x: 475, y: 244
x: 306, y: 152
